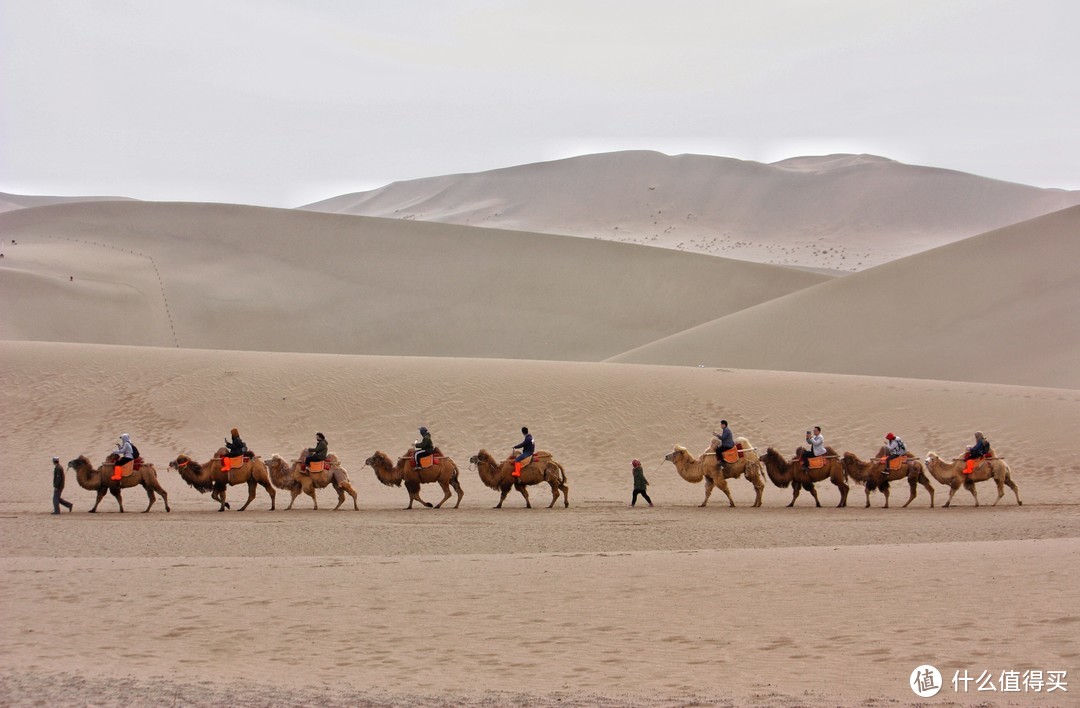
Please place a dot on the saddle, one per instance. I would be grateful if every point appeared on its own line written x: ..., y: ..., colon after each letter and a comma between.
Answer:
x: 313, y: 466
x: 733, y: 454
x: 895, y: 463
x: 816, y: 463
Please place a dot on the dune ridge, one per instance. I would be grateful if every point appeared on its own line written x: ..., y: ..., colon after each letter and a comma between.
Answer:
x: 843, y: 212
x: 993, y: 308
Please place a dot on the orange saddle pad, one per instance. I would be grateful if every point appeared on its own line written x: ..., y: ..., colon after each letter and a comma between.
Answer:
x: 732, y: 455
x: 895, y: 463
x: 316, y: 466
x: 817, y: 463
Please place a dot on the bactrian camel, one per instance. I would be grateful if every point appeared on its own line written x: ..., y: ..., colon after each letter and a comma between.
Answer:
x: 748, y: 464
x: 873, y: 475
x: 783, y: 473
x: 211, y: 477
x: 694, y: 469
x: 952, y: 475
x: 394, y: 474
x: 542, y: 468
x: 289, y: 476
x: 100, y: 480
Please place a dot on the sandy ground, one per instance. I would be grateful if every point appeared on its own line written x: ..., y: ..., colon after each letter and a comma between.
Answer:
x: 595, y: 604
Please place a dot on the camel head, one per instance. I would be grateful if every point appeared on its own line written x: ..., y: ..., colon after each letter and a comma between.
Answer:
x: 678, y: 453
x: 931, y: 456
x: 483, y: 457
x: 80, y: 461
x: 180, y: 462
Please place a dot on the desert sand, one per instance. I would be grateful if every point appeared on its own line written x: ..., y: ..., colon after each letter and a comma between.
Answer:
x: 177, y: 322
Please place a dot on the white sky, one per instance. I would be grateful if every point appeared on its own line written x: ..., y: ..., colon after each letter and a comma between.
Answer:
x: 284, y: 102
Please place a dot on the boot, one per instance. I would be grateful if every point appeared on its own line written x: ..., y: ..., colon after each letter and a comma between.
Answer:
x: 117, y: 473
x: 517, y: 469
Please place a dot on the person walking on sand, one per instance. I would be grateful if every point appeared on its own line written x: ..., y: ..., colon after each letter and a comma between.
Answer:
x: 640, y: 483
x: 58, y: 488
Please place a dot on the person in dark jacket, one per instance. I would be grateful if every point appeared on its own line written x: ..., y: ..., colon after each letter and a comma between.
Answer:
x: 423, y: 447
x: 235, y: 447
x: 727, y: 441
x: 527, y: 448
x: 640, y: 483
x: 318, y: 453
x: 976, y: 452
x: 58, y: 488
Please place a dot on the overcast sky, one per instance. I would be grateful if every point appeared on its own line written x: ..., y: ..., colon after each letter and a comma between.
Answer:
x: 284, y: 102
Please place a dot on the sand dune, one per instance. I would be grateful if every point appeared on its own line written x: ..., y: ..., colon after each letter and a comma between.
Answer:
x: 10, y: 202
x: 232, y: 277
x: 995, y: 308
x: 844, y: 212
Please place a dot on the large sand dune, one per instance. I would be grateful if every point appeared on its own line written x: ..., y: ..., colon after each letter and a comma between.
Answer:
x: 10, y: 202
x: 233, y: 277
x: 997, y: 308
x: 845, y: 212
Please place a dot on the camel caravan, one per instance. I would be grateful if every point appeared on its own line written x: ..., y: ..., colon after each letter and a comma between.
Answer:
x: 726, y: 458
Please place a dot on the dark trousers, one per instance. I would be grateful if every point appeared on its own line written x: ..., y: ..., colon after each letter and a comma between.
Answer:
x: 633, y: 500
x: 58, y: 501
x: 807, y: 454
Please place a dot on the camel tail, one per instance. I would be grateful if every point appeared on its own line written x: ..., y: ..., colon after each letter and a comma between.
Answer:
x: 562, y: 472
x: 454, y: 474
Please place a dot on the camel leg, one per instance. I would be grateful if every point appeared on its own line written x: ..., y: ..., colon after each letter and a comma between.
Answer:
x: 295, y: 491
x: 844, y: 489
x: 164, y: 496
x: 759, y: 490
x: 727, y: 493
x: 352, y: 493
x: 525, y: 493
x: 952, y: 491
x: 1012, y: 485
x: 458, y: 491
x: 929, y: 488
x: 813, y: 492
x: 269, y: 490
x: 150, y: 496
x: 914, y: 484
x: 446, y: 493
x: 101, y: 492
x: 867, y: 488
x: 971, y: 488
x: 119, y: 500
x: 565, y: 496
x: 502, y: 497
x: 1001, y: 492
x: 795, y: 489
x: 554, y: 493
x: 252, y: 484
x: 708, y: 491
x: 314, y: 499
x: 885, y: 491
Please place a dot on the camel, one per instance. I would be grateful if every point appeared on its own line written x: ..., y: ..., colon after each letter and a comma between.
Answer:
x: 542, y: 468
x: 952, y: 475
x: 99, y: 480
x: 210, y: 477
x: 445, y: 472
x: 784, y: 473
x: 872, y: 475
x: 286, y: 475
x: 749, y: 465
x: 694, y: 469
